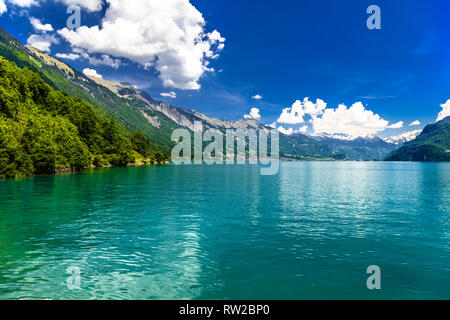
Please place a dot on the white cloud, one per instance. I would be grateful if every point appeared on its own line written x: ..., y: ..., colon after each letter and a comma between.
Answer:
x: 81, y: 52
x: 397, y: 125
x: 68, y: 56
x: 254, y: 114
x: 355, y: 121
x: 295, y: 114
x: 216, y: 37
x: 314, y: 109
x: 42, y: 42
x: 303, y: 129
x: 90, y: 5
x: 24, y: 3
x: 19, y: 3
x: 3, y: 8
x: 445, y: 111
x: 168, y: 35
x: 415, y: 123
x: 287, y: 132
x: 291, y: 131
x: 39, y: 26
x: 404, y: 137
x: 257, y: 97
x: 105, y: 60
x: 92, y: 73
x: 170, y: 94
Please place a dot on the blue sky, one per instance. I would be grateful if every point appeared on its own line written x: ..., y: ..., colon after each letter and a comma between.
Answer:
x: 281, y: 50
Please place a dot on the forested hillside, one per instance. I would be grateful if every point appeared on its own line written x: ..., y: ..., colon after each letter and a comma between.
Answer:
x: 126, y: 110
x: 43, y: 130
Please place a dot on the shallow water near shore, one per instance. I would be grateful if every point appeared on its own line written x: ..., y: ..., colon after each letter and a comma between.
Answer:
x: 226, y: 232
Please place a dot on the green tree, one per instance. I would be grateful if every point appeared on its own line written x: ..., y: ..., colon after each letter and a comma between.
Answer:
x: 42, y: 129
x: 141, y: 144
x: 161, y: 157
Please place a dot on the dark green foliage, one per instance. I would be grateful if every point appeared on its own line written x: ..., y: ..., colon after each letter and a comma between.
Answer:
x: 42, y: 130
x: 121, y: 159
x: 161, y: 157
x: 141, y: 144
x: 99, y: 161
x: 432, y: 145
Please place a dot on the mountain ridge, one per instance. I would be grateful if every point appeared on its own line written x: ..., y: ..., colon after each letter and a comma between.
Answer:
x: 137, y: 110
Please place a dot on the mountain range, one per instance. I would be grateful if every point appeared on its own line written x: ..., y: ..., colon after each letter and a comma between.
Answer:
x: 136, y: 110
x: 369, y: 148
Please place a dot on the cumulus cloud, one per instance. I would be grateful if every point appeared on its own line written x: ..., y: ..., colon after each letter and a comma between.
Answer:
x: 90, y: 5
x: 68, y: 56
x: 105, y: 60
x: 415, y: 123
x: 254, y: 114
x: 257, y: 97
x: 24, y: 3
x: 81, y: 52
x: 397, y: 125
x: 303, y: 129
x: 296, y: 113
x: 355, y: 121
x: 287, y: 132
x: 291, y: 131
x: 3, y: 8
x: 168, y: 35
x: 39, y: 26
x: 351, y: 122
x: 92, y: 73
x: 170, y: 94
x: 18, y: 3
x: 292, y: 115
x: 445, y: 111
x: 42, y: 42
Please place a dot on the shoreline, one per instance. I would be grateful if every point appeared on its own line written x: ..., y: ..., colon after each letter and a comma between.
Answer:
x: 70, y: 171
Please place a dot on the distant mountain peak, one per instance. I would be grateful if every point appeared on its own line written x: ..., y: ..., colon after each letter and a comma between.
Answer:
x: 404, y: 137
x: 338, y: 136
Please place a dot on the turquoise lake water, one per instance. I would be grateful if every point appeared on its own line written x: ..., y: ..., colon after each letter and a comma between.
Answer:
x: 225, y: 232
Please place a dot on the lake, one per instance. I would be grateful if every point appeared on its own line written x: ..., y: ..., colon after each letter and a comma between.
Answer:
x: 226, y: 232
